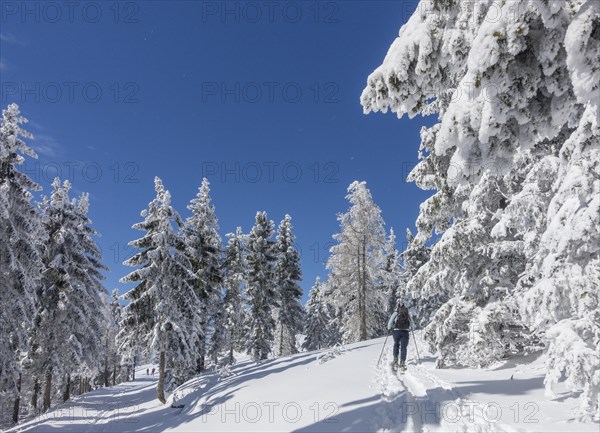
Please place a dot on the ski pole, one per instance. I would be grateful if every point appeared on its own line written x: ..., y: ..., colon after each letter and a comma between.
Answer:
x: 416, y: 348
x: 382, y: 349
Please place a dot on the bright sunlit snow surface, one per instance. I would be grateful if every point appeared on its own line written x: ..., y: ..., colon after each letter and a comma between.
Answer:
x: 339, y: 390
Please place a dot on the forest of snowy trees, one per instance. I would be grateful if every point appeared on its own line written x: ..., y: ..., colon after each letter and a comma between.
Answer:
x: 365, y: 278
x: 194, y: 303
x: 504, y: 261
x: 57, y: 322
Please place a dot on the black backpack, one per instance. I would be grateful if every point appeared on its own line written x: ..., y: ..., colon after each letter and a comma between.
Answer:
x: 402, y: 321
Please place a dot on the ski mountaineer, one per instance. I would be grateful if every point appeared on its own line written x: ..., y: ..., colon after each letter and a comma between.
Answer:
x: 400, y: 324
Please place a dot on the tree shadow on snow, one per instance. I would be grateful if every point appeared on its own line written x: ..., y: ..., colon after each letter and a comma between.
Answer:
x: 514, y: 362
x: 205, y: 396
x: 90, y: 408
x: 397, y: 413
x: 500, y: 386
x: 403, y: 411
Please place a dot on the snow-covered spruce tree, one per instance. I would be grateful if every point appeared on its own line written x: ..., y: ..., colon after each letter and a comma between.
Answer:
x: 289, y: 293
x: 112, y: 311
x: 216, y: 341
x: 163, y: 315
x: 316, y: 322
x: 391, y: 274
x: 260, y: 288
x: 355, y: 264
x: 131, y: 352
x: 46, y: 354
x: 561, y: 286
x: 233, y: 308
x: 203, y: 248
x: 413, y: 258
x: 328, y: 292
x: 21, y: 238
x: 86, y: 302
x: 66, y: 334
x: 334, y: 325
x: 515, y: 85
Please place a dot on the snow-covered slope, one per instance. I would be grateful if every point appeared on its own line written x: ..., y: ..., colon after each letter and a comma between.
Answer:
x: 328, y: 391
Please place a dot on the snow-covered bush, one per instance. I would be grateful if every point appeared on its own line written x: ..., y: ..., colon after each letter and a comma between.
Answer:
x: 332, y: 353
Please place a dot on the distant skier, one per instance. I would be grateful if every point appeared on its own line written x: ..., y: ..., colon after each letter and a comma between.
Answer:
x: 399, y: 324
x: 147, y: 372
x: 153, y: 371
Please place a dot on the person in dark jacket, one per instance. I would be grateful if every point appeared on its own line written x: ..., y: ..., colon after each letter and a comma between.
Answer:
x: 400, y: 324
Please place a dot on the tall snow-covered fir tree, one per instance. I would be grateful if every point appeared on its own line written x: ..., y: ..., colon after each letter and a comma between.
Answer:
x: 413, y: 258
x: 514, y: 162
x: 289, y: 293
x: 233, y: 308
x: 86, y: 306
x: 216, y: 341
x: 355, y: 267
x: 260, y: 289
x: 316, y: 322
x: 334, y: 313
x: 391, y: 274
x: 66, y: 336
x: 164, y: 313
x: 112, y: 356
x: 21, y: 239
x: 203, y: 248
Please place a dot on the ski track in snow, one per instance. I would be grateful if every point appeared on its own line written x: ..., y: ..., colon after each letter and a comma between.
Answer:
x: 96, y: 411
x: 419, y: 401
x: 109, y: 414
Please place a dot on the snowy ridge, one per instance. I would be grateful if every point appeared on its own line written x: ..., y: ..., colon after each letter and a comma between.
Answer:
x: 346, y: 393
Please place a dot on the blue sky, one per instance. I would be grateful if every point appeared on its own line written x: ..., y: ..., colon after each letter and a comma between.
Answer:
x: 260, y: 97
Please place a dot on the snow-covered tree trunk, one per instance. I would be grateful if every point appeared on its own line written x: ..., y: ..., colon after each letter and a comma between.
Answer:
x: 47, y: 391
x: 67, y: 391
x: 160, y: 387
x: 35, y: 394
x: 17, y: 403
